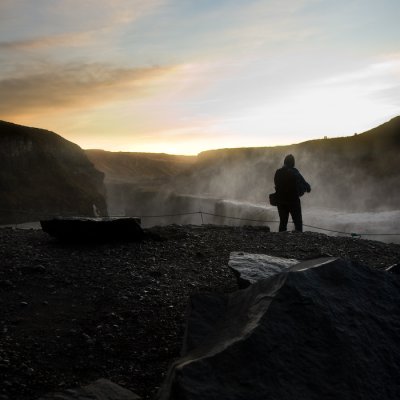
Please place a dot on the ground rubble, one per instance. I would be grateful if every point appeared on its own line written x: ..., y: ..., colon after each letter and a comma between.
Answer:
x: 71, y: 314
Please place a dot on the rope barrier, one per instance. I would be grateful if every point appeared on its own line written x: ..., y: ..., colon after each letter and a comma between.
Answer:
x: 202, y: 213
x: 239, y: 218
x: 328, y: 230
x: 163, y: 216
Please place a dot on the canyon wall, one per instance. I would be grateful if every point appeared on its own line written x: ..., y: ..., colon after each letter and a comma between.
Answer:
x: 44, y: 175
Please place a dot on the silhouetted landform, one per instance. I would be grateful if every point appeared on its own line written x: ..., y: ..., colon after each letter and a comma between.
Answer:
x: 354, y: 173
x: 139, y: 168
x: 84, y: 230
x: 321, y: 329
x: 42, y: 174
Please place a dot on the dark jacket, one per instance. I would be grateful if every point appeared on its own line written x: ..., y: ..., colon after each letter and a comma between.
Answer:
x: 290, y: 184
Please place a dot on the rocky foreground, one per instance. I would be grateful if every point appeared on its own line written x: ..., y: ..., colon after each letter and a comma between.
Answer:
x: 71, y: 314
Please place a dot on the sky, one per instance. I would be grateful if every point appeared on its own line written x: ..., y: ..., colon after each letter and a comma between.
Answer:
x: 184, y: 76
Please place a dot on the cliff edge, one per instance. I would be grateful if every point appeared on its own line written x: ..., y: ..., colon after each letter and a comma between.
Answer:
x: 43, y: 175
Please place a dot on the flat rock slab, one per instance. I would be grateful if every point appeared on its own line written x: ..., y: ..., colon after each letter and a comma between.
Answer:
x: 78, y: 229
x: 328, y: 330
x: 102, y: 389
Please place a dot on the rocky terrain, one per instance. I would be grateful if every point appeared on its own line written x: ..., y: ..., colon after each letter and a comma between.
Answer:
x: 71, y: 314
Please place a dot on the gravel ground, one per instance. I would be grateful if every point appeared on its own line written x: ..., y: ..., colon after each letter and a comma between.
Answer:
x: 71, y: 314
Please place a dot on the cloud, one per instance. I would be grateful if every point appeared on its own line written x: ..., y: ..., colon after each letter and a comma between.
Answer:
x: 101, y: 13
x: 68, y: 39
x: 26, y: 26
x: 235, y: 28
x: 389, y: 95
x: 377, y: 70
x: 76, y: 86
x: 379, y: 81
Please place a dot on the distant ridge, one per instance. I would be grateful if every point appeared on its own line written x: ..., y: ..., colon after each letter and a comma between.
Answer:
x: 142, y: 167
x: 138, y: 167
x: 388, y: 130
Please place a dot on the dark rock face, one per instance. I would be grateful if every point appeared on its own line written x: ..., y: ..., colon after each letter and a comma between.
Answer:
x: 42, y: 174
x: 102, y: 389
x: 327, y: 332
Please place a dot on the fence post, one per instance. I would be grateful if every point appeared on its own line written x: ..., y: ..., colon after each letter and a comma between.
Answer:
x: 201, y: 215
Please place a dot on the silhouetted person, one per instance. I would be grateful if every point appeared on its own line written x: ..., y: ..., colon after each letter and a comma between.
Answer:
x: 290, y: 186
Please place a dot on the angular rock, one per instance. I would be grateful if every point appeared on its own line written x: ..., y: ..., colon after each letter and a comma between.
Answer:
x: 250, y: 268
x: 102, y: 389
x: 327, y: 332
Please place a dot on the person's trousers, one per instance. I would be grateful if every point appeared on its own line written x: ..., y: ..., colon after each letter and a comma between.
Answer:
x: 294, y: 209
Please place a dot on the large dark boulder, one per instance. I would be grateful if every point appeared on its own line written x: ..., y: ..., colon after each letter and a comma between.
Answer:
x: 42, y: 174
x: 330, y: 331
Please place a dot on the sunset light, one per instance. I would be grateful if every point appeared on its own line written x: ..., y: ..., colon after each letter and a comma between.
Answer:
x: 183, y: 76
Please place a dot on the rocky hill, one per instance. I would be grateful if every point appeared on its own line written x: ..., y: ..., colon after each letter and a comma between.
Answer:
x: 42, y: 174
x: 140, y: 168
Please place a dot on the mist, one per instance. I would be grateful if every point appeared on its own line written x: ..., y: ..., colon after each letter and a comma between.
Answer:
x: 353, y: 180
